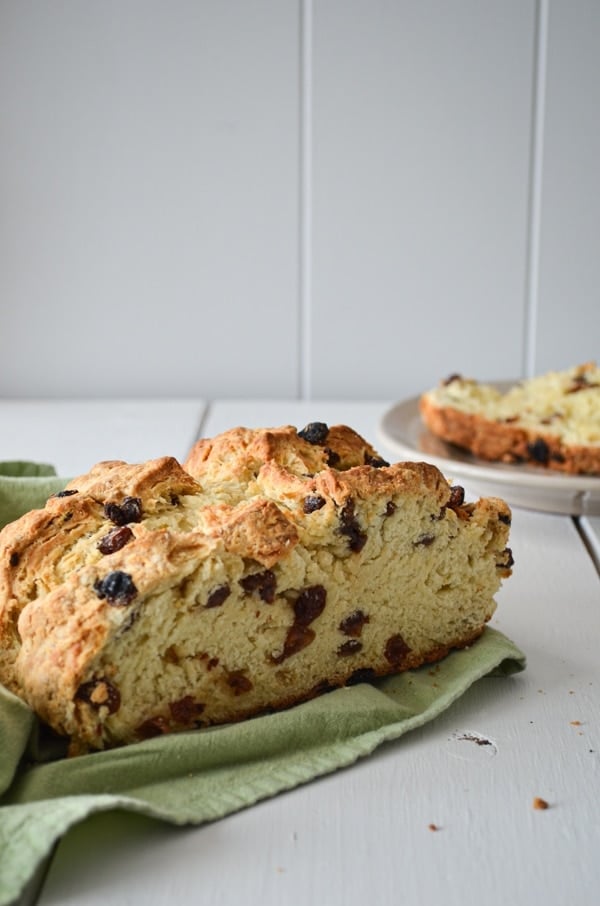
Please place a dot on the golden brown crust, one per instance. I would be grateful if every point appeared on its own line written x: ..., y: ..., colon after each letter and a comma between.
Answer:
x: 240, y: 452
x: 258, y: 530
x: 32, y: 549
x: 503, y: 442
x: 152, y: 600
x: 117, y: 479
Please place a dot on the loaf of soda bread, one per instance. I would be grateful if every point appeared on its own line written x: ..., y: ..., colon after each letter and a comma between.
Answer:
x: 551, y: 421
x: 278, y: 564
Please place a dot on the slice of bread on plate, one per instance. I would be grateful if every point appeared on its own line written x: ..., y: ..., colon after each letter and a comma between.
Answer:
x: 552, y: 420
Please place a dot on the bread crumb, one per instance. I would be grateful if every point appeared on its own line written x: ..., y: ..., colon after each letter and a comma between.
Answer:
x: 433, y: 827
x: 539, y: 803
x: 575, y: 723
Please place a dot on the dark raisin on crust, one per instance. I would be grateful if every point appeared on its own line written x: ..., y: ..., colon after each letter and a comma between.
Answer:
x: 352, y: 646
x: 390, y: 508
x: 509, y: 560
x: 539, y: 451
x: 424, y: 541
x: 186, y: 710
x: 130, y: 510
x: 505, y: 518
x: 456, y: 501
x: 298, y: 637
x: 375, y: 461
x: 333, y: 458
x: 309, y: 604
x: 314, y: 433
x: 350, y: 527
x: 154, y: 726
x: 450, y: 378
x: 312, y: 503
x: 100, y: 693
x: 580, y: 382
x: 457, y: 496
x: 171, y: 655
x: 14, y: 558
x: 322, y: 688
x: 117, y: 588
x: 65, y: 493
x: 115, y: 539
x: 263, y: 583
x: 362, y: 675
x: 218, y: 595
x: 239, y: 682
x: 396, y: 650
x: 353, y: 623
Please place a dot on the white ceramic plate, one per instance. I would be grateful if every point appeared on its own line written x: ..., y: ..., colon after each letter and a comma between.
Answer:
x: 403, y: 431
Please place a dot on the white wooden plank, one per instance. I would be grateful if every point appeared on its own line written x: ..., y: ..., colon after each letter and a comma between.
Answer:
x: 149, y: 228
x: 363, y: 834
x: 73, y: 435
x: 590, y: 526
x: 420, y: 165
x: 568, y: 329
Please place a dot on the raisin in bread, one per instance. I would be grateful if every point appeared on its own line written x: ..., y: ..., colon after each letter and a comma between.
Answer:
x: 278, y: 564
x: 552, y: 420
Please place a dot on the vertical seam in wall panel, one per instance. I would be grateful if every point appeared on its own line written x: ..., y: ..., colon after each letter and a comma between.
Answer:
x: 535, y: 189
x: 207, y: 410
x: 305, y: 201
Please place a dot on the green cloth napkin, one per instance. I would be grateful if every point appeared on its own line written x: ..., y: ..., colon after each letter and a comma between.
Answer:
x: 26, y: 486
x: 202, y: 775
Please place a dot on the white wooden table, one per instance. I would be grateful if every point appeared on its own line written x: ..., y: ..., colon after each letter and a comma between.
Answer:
x: 362, y: 835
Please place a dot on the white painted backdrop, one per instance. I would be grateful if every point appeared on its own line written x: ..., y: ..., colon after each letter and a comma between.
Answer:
x: 295, y: 198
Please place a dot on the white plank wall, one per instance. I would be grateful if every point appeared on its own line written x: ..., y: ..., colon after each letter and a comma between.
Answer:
x: 421, y: 164
x: 148, y: 168
x: 568, y: 324
x: 295, y: 198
